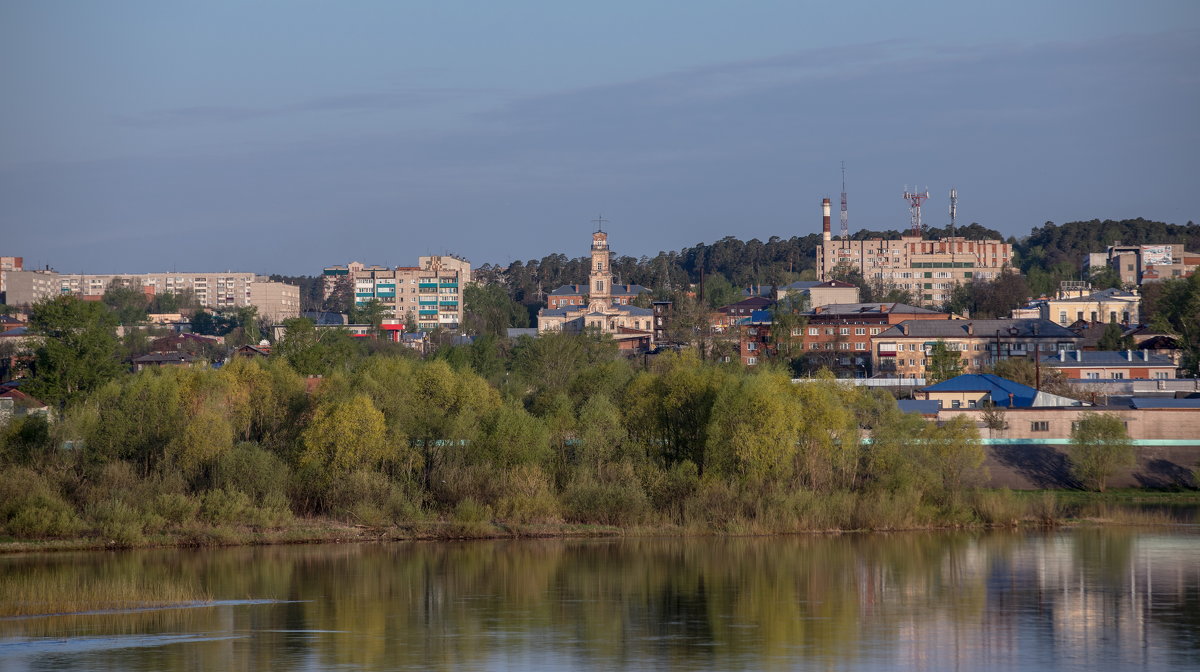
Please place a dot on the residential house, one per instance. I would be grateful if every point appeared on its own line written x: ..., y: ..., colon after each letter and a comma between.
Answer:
x: 838, y: 336
x: 1073, y: 305
x: 164, y: 359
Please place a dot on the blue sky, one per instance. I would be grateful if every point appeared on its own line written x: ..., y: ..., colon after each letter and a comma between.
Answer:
x: 286, y: 136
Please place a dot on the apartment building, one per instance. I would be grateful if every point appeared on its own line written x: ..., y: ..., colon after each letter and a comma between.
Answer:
x: 929, y: 269
x: 212, y: 291
x: 25, y: 288
x: 1137, y: 264
x: 1112, y: 365
x: 12, y: 263
x: 432, y: 292
x: 901, y: 351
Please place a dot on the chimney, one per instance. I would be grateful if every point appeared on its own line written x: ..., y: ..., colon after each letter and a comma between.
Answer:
x: 1011, y: 396
x: 1129, y: 355
x: 825, y: 234
x: 1062, y: 355
x: 904, y: 329
x: 1079, y: 355
x: 1145, y: 355
x: 970, y: 329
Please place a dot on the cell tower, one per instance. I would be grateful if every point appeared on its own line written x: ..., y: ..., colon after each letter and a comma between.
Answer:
x: 915, y: 199
x: 953, y: 208
x: 844, y: 216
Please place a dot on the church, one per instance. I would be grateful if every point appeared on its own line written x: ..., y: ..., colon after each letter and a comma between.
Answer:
x: 603, y: 308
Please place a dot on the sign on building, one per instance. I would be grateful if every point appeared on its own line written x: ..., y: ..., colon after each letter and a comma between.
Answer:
x: 1156, y: 255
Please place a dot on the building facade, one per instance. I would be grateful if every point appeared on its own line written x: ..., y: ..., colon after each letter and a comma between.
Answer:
x: 1137, y: 264
x: 1111, y: 365
x: 928, y: 269
x: 603, y: 313
x: 25, y: 288
x: 212, y: 291
x: 902, y: 351
x: 431, y: 292
x: 1079, y: 304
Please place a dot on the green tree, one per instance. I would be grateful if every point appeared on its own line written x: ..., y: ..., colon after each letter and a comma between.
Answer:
x: 489, y: 310
x: 127, y: 301
x: 1100, y: 446
x: 942, y: 363
x: 1114, y: 338
x: 343, y: 435
x: 77, y: 351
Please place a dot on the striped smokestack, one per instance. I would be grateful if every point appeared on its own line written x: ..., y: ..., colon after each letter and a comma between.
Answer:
x: 825, y: 235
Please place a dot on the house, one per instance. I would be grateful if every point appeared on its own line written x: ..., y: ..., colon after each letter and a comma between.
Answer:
x: 728, y: 316
x: 164, y: 359
x: 977, y: 390
x: 1111, y: 365
x: 263, y: 349
x: 15, y: 403
x: 901, y: 350
x: 1078, y: 303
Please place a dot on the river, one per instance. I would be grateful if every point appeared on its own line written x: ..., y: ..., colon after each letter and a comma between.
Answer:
x: 1084, y: 599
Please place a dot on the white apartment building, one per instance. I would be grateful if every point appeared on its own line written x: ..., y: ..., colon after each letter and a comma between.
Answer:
x: 214, y: 291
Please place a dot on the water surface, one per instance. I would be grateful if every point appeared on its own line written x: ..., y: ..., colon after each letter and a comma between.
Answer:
x: 1113, y: 599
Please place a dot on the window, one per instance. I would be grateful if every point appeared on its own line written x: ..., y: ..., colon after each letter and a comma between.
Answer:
x: 814, y: 331
x: 843, y: 346
x: 863, y: 346
x: 956, y: 404
x: 796, y: 331
x: 1118, y: 375
x: 751, y: 346
x: 973, y: 404
x: 860, y: 331
x: 1093, y: 375
x: 753, y: 331
x: 1039, y: 426
x: 814, y: 346
x: 829, y: 331
x: 1160, y: 375
x: 844, y: 331
x: 874, y: 331
x: 752, y: 361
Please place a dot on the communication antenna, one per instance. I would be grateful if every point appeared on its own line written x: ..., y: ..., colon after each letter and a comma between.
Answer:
x: 844, y: 216
x: 953, y: 208
x: 915, y: 199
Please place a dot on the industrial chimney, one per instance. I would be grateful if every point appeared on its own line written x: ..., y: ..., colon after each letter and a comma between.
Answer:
x: 825, y: 234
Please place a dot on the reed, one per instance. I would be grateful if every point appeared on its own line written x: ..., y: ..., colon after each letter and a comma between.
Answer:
x: 64, y: 593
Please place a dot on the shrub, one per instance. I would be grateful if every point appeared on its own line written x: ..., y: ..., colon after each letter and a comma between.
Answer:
x: 31, y: 507
x: 221, y: 507
x: 118, y: 522
x: 175, y: 508
x: 590, y: 500
x: 248, y: 468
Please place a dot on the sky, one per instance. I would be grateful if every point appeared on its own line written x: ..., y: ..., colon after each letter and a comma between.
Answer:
x: 283, y: 137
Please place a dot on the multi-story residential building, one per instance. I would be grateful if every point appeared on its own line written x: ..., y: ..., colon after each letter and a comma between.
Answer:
x: 12, y: 263
x: 25, y: 288
x: 432, y: 292
x: 276, y: 301
x: 929, y: 269
x: 838, y: 336
x: 1136, y: 264
x: 901, y: 350
x: 212, y: 291
x: 604, y: 312
x: 1111, y: 365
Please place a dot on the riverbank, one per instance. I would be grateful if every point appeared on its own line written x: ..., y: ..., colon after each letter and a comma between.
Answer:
x: 984, y: 509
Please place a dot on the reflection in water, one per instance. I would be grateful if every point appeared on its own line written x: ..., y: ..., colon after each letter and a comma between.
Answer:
x: 1078, y: 599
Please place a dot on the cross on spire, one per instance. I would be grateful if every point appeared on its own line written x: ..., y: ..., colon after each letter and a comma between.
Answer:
x: 599, y: 221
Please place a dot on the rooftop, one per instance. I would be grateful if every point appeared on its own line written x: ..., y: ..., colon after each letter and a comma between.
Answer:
x: 1066, y: 359
x: 1019, y: 328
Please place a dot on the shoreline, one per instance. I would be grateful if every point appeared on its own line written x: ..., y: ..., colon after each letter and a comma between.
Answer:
x: 1077, y: 509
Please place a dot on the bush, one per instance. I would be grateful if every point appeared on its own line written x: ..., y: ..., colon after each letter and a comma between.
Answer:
x: 222, y: 507
x: 590, y: 500
x: 248, y: 468
x: 527, y: 496
x: 118, y: 522
x: 31, y: 507
x: 175, y: 508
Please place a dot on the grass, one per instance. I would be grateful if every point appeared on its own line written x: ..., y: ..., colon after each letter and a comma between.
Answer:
x: 63, y: 593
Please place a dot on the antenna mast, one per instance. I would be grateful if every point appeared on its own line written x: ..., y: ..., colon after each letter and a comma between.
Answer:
x: 915, y: 199
x: 844, y: 216
x: 953, y: 208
